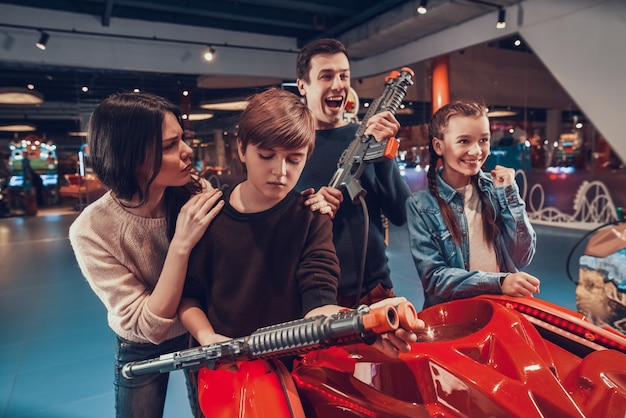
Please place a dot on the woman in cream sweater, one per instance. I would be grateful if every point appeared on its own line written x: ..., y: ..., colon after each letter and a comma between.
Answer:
x: 133, y: 244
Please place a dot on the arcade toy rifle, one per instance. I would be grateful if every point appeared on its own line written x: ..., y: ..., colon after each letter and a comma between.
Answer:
x: 365, y: 148
x: 289, y: 338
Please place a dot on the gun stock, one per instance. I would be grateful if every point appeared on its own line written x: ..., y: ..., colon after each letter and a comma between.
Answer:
x: 289, y: 338
x: 364, y: 148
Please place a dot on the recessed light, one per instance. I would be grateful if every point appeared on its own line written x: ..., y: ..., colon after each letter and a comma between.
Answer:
x: 20, y: 96
x: 234, y: 106
x: 18, y: 128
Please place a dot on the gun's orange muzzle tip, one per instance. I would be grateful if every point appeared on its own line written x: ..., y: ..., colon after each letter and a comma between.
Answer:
x: 381, y: 319
x: 408, y: 70
x: 407, y: 315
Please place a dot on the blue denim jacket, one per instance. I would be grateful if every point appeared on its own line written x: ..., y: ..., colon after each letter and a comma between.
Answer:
x: 443, y: 266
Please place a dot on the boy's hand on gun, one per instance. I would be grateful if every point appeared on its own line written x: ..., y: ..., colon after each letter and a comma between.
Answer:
x: 209, y: 337
x: 394, y: 343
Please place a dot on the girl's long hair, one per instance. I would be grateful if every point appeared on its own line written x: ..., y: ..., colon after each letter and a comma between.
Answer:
x: 436, y: 129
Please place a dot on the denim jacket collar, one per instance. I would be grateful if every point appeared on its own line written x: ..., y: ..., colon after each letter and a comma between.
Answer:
x: 448, y: 193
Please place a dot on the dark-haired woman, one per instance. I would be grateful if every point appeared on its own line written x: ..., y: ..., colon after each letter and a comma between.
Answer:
x: 469, y: 231
x: 133, y: 244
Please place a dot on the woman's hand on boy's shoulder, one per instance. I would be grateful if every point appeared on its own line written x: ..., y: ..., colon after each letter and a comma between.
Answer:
x: 194, y: 218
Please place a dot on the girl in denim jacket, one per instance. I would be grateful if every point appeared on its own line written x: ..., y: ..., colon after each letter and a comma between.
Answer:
x: 469, y: 232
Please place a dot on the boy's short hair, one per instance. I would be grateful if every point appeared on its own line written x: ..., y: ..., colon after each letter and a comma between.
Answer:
x: 277, y: 118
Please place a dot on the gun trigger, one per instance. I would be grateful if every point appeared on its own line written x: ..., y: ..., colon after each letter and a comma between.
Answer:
x: 391, y: 148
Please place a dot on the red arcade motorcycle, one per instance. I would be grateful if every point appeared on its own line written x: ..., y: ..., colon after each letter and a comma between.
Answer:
x: 489, y: 356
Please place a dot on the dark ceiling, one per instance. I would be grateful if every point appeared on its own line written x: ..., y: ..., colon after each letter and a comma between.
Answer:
x: 300, y: 19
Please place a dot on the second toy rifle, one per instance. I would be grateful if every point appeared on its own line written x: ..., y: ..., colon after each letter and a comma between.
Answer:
x: 286, y: 339
x: 365, y: 148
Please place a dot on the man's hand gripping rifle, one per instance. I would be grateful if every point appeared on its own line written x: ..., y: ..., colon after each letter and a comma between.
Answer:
x: 289, y: 338
x: 365, y: 148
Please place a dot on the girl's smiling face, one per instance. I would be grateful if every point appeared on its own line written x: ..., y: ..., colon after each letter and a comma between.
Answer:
x: 464, y: 148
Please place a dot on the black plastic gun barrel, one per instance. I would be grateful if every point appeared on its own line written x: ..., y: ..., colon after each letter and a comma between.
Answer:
x: 289, y: 338
x: 364, y: 148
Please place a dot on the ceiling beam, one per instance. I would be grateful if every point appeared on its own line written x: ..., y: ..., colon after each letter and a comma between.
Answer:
x: 106, y: 16
x: 300, y: 5
x: 360, y: 18
x: 212, y: 14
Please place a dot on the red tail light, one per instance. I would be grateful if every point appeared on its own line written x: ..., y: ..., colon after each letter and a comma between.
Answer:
x: 562, y: 322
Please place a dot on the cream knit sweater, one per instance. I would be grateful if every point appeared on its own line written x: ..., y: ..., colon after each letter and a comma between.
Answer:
x: 121, y: 255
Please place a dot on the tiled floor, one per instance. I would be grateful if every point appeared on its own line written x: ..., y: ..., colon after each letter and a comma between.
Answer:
x: 57, y: 351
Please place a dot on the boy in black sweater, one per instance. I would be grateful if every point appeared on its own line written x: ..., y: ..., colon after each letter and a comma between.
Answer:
x: 267, y: 258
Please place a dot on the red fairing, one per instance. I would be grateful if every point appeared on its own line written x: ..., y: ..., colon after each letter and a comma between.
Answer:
x: 248, y: 389
x: 491, y: 356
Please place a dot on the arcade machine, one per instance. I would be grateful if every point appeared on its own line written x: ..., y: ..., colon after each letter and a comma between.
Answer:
x: 84, y: 185
x: 34, y: 177
x: 601, y: 284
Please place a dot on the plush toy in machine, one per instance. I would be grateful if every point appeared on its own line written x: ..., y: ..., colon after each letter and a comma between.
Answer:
x: 601, y: 286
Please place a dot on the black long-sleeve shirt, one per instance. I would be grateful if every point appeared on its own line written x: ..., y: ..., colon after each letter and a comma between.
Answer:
x: 386, y: 195
x: 251, y: 270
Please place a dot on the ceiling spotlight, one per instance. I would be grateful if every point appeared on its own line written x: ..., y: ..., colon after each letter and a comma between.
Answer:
x: 501, y: 19
x: 422, y: 9
x: 209, y: 54
x: 43, y: 40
